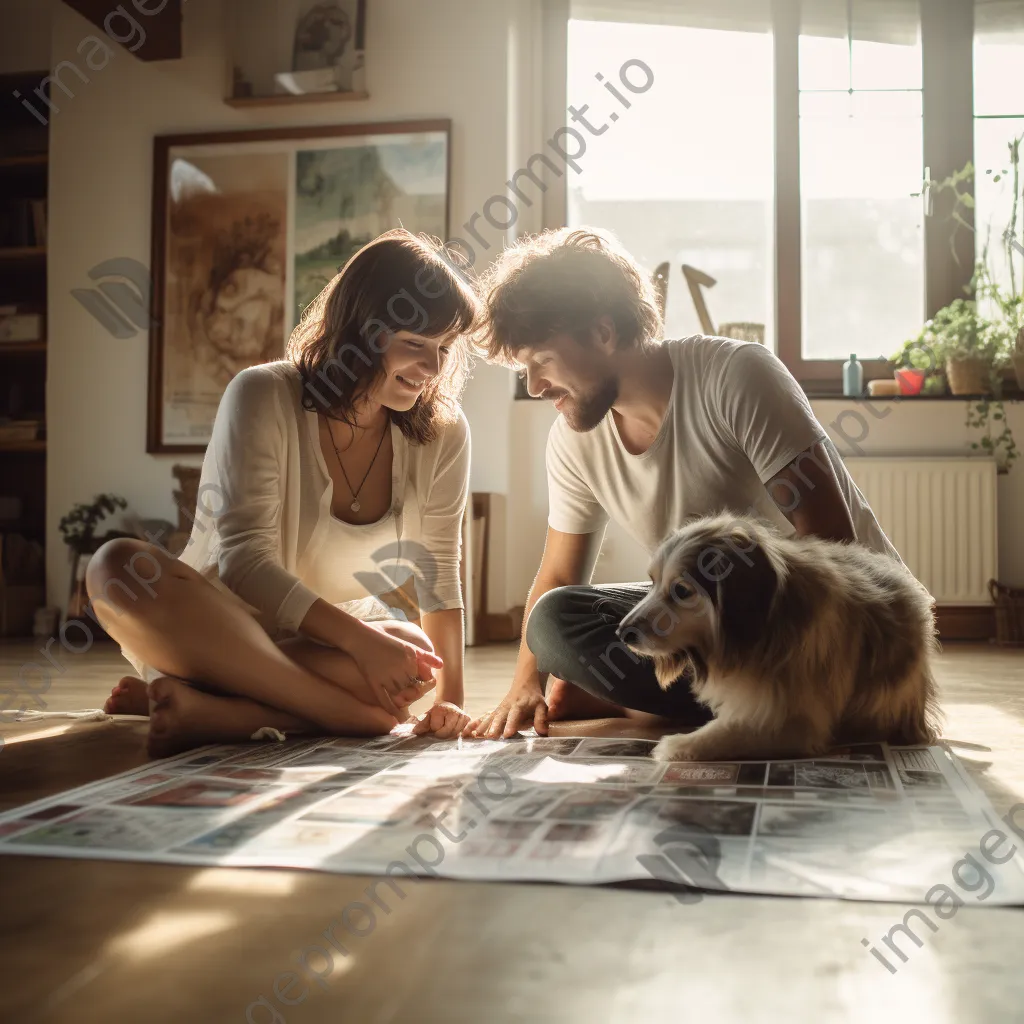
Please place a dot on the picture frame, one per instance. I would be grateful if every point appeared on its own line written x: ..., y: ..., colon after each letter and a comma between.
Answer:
x: 248, y: 226
x: 295, y: 50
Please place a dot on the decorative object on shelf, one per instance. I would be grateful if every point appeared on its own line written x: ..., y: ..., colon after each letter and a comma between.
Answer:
x: 743, y: 331
x: 1009, y: 608
x: 695, y: 280
x: 15, y: 432
x: 853, y: 377
x: 249, y: 226
x: 298, y: 48
x: 18, y: 325
x: 738, y: 330
x: 883, y: 388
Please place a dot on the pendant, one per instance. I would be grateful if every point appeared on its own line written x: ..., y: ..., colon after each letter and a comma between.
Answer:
x: 355, y: 506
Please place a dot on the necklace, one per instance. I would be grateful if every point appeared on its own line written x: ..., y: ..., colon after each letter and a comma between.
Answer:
x: 355, y: 506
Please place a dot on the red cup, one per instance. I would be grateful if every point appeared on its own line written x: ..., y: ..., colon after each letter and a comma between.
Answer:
x: 910, y: 381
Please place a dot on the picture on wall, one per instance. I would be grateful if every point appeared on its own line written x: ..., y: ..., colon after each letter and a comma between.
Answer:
x: 297, y: 47
x: 248, y: 227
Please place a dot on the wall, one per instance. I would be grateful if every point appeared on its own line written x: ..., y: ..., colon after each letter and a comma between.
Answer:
x: 419, y: 65
x: 927, y: 428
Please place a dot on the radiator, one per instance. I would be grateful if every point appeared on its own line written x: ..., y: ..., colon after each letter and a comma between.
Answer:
x: 941, y: 516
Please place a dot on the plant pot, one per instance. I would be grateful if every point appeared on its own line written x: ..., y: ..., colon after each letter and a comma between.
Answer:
x: 969, y: 375
x: 1018, y: 368
x: 910, y: 381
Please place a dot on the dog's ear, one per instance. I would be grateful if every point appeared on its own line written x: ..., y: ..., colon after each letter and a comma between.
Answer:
x: 744, y: 597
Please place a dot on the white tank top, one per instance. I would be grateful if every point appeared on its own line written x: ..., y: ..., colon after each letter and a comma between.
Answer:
x: 354, y: 562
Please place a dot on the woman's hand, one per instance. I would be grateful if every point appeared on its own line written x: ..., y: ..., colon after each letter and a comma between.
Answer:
x: 524, y: 705
x: 390, y: 664
x: 444, y: 720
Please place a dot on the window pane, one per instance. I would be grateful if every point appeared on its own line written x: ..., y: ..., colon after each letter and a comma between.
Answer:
x: 861, y: 161
x: 999, y: 58
x: 686, y: 173
x: 885, y: 52
x: 994, y: 199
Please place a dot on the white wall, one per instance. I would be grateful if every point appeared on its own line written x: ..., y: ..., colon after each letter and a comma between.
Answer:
x: 442, y: 59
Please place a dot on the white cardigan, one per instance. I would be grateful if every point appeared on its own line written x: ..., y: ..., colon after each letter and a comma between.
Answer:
x: 265, y: 501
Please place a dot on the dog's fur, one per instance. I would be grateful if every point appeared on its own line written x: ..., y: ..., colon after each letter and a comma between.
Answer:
x: 795, y: 644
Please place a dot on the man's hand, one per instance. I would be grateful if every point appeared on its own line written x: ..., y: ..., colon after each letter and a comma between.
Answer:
x: 444, y: 720
x: 522, y: 707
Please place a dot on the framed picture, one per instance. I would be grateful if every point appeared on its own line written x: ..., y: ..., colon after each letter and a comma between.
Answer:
x: 249, y: 226
x: 294, y: 48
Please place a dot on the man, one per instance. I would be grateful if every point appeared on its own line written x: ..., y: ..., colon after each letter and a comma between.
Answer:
x: 651, y: 433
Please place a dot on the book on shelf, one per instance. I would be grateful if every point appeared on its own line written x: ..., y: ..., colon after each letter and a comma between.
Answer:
x: 22, y: 223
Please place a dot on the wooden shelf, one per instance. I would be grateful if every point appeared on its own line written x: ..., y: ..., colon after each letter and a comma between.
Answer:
x: 291, y: 99
x: 21, y: 347
x: 23, y: 447
x: 28, y: 252
x: 28, y: 160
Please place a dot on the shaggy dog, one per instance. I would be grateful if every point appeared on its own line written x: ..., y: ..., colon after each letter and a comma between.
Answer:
x: 794, y: 644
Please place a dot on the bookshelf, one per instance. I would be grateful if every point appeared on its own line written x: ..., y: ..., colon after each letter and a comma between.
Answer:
x: 24, y: 175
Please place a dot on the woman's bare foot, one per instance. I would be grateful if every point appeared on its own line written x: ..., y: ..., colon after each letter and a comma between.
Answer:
x: 129, y: 697
x: 567, y: 701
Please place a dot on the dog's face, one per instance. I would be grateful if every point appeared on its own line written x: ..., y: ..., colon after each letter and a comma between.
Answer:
x: 713, y: 583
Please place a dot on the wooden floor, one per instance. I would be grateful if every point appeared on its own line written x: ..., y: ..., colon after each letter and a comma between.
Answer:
x: 95, y: 941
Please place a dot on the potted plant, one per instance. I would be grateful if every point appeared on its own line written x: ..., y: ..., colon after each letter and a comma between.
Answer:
x: 78, y: 528
x: 960, y: 342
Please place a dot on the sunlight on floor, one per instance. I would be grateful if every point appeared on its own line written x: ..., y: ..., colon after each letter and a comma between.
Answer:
x: 1003, y: 762
x: 248, y: 882
x: 166, y: 930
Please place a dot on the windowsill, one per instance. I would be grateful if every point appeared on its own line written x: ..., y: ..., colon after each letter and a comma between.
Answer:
x: 819, y: 396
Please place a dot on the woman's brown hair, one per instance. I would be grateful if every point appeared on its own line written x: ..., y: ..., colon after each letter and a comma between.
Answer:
x: 563, y: 281
x: 397, y: 282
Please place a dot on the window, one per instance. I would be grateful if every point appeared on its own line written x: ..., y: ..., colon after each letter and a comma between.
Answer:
x: 861, y: 161
x: 782, y: 150
x: 685, y: 175
x: 998, y: 121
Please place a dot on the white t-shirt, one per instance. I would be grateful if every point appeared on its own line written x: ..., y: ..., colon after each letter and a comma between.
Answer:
x: 735, y: 418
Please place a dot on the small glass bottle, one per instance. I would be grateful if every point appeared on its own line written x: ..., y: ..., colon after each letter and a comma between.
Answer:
x: 853, y: 378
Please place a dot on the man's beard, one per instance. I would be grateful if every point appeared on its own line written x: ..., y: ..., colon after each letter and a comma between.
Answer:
x: 584, y: 412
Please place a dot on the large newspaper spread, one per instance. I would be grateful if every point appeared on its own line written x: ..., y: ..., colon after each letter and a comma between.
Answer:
x: 866, y: 822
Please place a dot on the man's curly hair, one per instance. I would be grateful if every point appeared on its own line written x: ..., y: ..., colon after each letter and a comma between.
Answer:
x: 564, y: 281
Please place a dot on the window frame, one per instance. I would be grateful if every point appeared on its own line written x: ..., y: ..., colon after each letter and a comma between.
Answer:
x: 947, y: 45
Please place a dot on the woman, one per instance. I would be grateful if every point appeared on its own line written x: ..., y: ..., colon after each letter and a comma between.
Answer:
x: 325, y: 470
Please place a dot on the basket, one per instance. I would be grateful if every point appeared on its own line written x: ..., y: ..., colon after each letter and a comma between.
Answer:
x: 969, y: 375
x: 1009, y: 606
